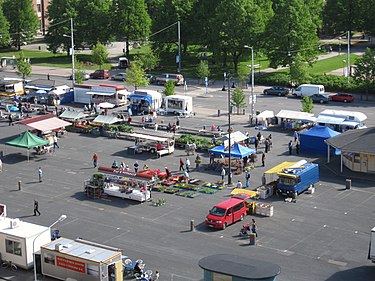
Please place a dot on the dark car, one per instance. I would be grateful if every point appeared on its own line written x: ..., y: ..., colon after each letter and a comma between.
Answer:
x: 100, y: 74
x: 342, y: 97
x: 276, y: 91
x: 320, y: 98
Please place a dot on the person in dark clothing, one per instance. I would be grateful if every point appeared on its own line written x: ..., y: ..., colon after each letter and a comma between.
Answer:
x: 182, y: 165
x: 263, y: 158
x: 290, y: 146
x: 36, y: 208
x: 259, y: 136
x: 266, y: 146
x: 256, y: 143
x: 297, y: 147
x: 10, y: 118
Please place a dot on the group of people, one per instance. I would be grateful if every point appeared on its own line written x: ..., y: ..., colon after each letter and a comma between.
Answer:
x: 296, y: 144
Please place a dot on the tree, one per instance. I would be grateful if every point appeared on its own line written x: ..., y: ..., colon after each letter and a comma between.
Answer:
x: 60, y: 11
x: 291, y: 33
x: 307, y: 104
x: 238, y: 99
x: 99, y: 54
x: 236, y: 24
x: 135, y: 74
x: 203, y: 70
x: 364, y: 73
x: 23, y: 66
x: 169, y: 88
x: 149, y: 60
x: 298, y: 71
x: 22, y: 20
x: 131, y: 21
x: 4, y: 29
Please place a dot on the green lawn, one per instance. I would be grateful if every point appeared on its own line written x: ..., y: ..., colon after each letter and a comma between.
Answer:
x: 330, y: 64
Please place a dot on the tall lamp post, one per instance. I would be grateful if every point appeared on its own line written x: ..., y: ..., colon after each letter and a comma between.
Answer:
x: 72, y: 52
x: 227, y: 76
x: 179, y: 46
x: 61, y: 218
x: 252, y: 82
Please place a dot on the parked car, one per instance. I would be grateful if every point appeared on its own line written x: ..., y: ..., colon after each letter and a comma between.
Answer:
x: 119, y: 76
x: 342, y: 97
x: 100, y: 74
x: 82, y: 75
x: 162, y: 79
x: 276, y: 91
x: 320, y: 98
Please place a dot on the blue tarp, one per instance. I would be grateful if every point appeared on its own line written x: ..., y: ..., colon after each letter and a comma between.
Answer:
x: 238, y: 151
x: 312, y: 141
x: 147, y: 98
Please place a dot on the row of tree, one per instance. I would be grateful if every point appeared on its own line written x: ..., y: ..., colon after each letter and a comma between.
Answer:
x: 285, y: 30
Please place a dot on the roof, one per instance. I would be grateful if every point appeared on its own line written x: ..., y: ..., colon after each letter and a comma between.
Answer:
x: 237, y: 150
x: 296, y: 169
x: 72, y: 115
x: 359, y: 141
x: 23, y: 230
x: 46, y: 123
x: 320, y: 131
x: 27, y: 140
x: 297, y: 115
x: 279, y: 168
x: 235, y: 137
x: 84, y: 250
x: 101, y: 93
x: 230, y: 201
x: 344, y: 113
x: 144, y: 92
x: 242, y: 267
x: 330, y: 120
x: 266, y: 114
x: 106, y: 119
x: 117, y: 87
x: 148, y: 137
x: 181, y: 97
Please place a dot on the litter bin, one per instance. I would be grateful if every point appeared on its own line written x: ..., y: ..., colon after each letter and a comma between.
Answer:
x: 252, y: 238
x: 348, y: 184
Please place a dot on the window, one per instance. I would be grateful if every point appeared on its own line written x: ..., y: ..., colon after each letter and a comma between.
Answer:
x: 38, y: 7
x: 13, y: 247
x: 238, y: 207
x: 287, y: 181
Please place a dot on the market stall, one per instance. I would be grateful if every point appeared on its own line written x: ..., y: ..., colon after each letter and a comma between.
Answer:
x: 179, y: 105
x: 266, y: 118
x: 145, y: 101
x: 81, y: 260
x: 313, y: 140
x: 295, y: 120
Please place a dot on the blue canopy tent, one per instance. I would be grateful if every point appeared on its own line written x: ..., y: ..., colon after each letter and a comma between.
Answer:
x: 312, y: 141
x: 237, y: 151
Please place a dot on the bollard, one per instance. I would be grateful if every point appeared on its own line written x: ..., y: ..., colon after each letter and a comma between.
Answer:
x: 218, y: 113
x: 348, y: 184
x: 19, y: 185
x: 252, y: 239
x: 192, y: 228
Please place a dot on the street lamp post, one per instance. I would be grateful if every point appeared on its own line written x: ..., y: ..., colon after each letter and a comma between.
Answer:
x: 252, y: 83
x: 72, y: 52
x: 348, y: 71
x: 179, y: 46
x: 227, y: 76
x: 61, y: 218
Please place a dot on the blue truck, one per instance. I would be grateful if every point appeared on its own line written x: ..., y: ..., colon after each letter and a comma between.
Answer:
x: 297, y: 178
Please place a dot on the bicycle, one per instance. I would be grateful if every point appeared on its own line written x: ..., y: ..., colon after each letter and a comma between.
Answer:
x: 9, y: 264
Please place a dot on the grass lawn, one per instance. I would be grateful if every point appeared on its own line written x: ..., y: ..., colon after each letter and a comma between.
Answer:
x: 330, y: 64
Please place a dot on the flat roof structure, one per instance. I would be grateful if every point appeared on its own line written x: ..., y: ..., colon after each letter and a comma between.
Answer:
x: 241, y: 267
x: 18, y: 228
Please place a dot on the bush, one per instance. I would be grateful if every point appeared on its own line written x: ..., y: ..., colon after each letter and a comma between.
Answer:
x: 169, y: 88
x: 199, y: 141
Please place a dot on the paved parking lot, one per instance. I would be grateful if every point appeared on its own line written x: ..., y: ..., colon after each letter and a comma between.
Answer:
x: 324, y: 236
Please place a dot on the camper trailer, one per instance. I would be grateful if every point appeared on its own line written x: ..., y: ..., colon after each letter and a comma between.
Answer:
x: 341, y: 120
x: 179, y: 105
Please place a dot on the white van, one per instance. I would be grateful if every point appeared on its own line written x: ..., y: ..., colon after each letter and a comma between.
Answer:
x: 308, y: 90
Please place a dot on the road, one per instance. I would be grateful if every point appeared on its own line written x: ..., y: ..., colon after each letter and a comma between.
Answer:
x: 324, y: 236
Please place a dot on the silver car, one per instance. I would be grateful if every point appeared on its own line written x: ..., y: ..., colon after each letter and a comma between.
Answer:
x: 119, y: 76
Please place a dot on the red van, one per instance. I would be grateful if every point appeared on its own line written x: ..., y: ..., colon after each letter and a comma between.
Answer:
x: 226, y: 212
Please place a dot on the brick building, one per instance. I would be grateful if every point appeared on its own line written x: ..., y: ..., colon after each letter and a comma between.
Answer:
x: 41, y: 8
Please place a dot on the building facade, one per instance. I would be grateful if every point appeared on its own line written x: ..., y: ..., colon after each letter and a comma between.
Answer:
x: 41, y: 8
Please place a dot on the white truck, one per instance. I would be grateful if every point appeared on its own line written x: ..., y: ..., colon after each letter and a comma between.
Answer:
x: 371, y: 252
x: 308, y: 90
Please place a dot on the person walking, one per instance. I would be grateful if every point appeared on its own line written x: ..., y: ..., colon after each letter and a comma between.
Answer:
x: 10, y: 118
x: 247, y: 178
x: 187, y: 165
x: 263, y: 158
x: 55, y: 142
x: 222, y: 173
x: 36, y: 208
x: 297, y: 146
x: 186, y: 175
x: 256, y: 143
x: 266, y: 146
x: 181, y: 165
x: 95, y: 158
x: 168, y: 172
x: 290, y: 146
x: 254, y: 227
x: 40, y: 174
x: 136, y: 166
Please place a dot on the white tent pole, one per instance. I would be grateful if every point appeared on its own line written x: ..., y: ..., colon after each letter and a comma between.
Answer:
x: 341, y: 162
x: 328, y: 148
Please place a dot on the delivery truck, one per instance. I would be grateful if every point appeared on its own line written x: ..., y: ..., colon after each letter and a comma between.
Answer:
x: 371, y: 252
x: 307, y: 90
x: 297, y: 178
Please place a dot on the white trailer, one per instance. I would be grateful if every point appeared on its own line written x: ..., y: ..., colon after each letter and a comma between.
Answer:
x: 179, y: 105
x: 17, y: 238
x: 306, y: 90
x: 371, y: 254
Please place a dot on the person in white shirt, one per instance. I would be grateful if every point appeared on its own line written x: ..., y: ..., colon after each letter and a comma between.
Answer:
x: 239, y: 184
x: 55, y: 142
